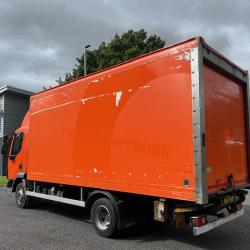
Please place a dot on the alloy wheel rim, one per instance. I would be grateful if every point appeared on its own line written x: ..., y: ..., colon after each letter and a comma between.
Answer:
x: 102, y: 217
x: 20, y: 196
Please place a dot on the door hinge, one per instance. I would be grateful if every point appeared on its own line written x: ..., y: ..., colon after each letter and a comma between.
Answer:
x: 203, y: 140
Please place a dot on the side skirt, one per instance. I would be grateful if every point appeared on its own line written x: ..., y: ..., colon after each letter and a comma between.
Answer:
x: 56, y: 198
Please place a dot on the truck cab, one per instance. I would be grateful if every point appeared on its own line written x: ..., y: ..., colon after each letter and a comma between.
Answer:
x: 15, y: 152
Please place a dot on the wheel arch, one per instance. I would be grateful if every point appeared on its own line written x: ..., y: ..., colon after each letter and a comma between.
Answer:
x: 19, y: 178
x: 96, y: 194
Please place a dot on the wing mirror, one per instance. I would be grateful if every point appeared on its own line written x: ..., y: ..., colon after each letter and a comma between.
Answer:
x: 12, y: 157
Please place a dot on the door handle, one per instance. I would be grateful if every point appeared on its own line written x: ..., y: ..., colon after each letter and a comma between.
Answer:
x: 20, y: 166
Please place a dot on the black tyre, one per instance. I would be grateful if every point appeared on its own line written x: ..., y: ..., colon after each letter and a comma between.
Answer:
x: 104, y: 217
x: 21, y: 199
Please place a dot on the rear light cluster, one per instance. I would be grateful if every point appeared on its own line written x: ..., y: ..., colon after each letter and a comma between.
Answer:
x: 198, y: 221
x: 238, y: 206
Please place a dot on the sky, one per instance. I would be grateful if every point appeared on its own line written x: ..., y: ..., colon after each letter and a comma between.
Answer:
x: 40, y: 39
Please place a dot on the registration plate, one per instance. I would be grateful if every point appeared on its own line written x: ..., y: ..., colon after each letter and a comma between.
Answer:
x: 228, y: 199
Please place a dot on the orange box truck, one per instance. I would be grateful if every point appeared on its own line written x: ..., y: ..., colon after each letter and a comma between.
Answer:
x: 165, y: 135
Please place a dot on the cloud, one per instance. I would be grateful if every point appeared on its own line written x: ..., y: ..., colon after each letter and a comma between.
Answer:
x: 40, y: 39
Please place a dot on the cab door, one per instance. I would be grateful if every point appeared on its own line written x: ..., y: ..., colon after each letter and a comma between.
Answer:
x: 15, y: 162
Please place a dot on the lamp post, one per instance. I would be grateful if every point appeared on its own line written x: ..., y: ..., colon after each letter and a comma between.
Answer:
x: 85, y: 59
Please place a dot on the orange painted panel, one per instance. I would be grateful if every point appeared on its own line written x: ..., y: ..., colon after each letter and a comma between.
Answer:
x: 225, y: 130
x: 128, y: 128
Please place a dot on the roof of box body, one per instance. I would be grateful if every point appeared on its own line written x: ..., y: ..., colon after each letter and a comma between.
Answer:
x: 209, y: 54
x: 16, y: 91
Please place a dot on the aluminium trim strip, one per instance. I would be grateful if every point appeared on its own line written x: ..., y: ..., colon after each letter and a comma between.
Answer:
x: 247, y: 110
x: 56, y: 198
x: 199, y: 125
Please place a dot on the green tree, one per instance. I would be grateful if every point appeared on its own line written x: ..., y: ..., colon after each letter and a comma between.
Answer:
x: 121, y: 48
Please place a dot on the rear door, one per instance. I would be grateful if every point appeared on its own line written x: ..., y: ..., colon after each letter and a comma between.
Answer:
x: 225, y: 129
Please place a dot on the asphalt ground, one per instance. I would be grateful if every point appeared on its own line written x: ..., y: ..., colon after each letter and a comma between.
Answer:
x: 65, y: 227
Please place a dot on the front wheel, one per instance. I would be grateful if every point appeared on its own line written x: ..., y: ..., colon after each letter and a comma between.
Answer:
x: 21, y: 199
x: 104, y: 217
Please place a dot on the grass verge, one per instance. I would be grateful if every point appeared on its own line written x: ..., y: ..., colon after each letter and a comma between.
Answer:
x: 3, y: 181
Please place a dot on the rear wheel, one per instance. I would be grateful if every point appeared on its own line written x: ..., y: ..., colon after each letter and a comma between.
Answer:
x: 21, y: 199
x: 104, y: 217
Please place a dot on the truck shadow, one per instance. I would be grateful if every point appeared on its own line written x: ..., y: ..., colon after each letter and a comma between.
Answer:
x: 234, y: 235
x: 161, y: 233
x: 230, y: 236
x: 73, y: 212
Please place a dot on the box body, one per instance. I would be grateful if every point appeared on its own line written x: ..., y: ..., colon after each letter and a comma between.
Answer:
x: 141, y: 127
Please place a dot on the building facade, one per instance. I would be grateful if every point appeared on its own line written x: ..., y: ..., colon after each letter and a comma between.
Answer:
x: 14, y: 103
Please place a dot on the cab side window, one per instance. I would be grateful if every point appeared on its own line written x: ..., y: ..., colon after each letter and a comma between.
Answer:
x: 17, y: 144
